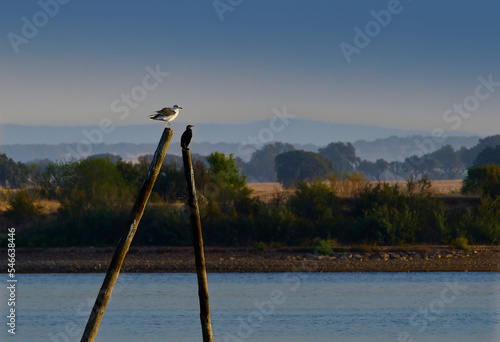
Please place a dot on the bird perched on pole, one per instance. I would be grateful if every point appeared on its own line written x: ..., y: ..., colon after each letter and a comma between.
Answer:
x: 186, y: 137
x: 166, y: 114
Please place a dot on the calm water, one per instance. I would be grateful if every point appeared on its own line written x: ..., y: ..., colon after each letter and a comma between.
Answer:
x: 263, y: 307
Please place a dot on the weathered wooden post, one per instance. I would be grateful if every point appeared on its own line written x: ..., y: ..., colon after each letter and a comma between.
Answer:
x: 127, y: 236
x: 206, y: 324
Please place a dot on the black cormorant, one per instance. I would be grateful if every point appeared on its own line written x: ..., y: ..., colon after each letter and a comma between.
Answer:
x: 186, y: 137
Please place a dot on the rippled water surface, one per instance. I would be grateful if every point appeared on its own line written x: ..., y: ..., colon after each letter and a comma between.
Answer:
x: 263, y: 307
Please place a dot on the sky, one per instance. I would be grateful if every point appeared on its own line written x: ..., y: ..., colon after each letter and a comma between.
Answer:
x: 416, y: 65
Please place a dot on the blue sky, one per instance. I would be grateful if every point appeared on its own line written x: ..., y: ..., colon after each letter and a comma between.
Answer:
x: 85, y: 55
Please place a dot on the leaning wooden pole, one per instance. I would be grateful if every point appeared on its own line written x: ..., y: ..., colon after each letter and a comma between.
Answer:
x: 206, y: 324
x: 126, y: 239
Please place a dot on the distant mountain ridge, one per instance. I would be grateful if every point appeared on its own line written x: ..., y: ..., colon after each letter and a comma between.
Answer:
x: 397, y: 148
x: 294, y: 131
x: 27, y: 143
x: 390, y: 149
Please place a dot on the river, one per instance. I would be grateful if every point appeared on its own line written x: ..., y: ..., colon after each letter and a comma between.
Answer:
x: 264, y: 307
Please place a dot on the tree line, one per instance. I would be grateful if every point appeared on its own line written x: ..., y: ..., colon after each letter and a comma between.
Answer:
x: 283, y: 163
x: 294, y: 165
x: 96, y: 195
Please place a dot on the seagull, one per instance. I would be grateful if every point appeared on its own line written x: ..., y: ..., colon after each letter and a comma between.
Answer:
x: 166, y: 114
x: 186, y: 137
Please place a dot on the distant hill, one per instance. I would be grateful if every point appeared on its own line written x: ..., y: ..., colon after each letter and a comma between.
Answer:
x: 27, y: 143
x: 293, y: 131
x: 390, y: 149
x: 397, y: 148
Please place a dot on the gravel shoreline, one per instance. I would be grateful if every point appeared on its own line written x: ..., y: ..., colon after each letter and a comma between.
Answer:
x: 221, y: 260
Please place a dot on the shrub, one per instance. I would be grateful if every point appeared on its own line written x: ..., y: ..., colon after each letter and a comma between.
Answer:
x: 350, y: 186
x: 386, y: 214
x: 313, y: 201
x: 388, y: 225
x: 482, y: 180
x: 326, y: 246
x: 442, y: 226
x: 421, y: 186
x: 461, y: 243
x: 316, y: 208
x: 23, y: 206
x: 481, y: 225
x: 260, y: 246
x: 87, y: 184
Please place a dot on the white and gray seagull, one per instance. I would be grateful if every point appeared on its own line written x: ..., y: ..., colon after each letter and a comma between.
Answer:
x: 166, y: 114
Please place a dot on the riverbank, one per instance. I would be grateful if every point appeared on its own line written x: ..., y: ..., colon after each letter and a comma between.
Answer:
x: 219, y: 260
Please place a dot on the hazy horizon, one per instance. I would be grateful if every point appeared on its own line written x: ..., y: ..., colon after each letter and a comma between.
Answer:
x: 258, y: 133
x: 411, y: 65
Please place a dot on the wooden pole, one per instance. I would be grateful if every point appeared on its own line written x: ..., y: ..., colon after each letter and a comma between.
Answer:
x: 206, y: 324
x: 127, y: 236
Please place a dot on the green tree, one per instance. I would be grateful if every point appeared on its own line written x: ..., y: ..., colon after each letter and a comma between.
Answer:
x: 84, y: 184
x: 450, y: 162
x: 295, y: 166
x: 201, y: 173
x: 317, y: 209
x: 490, y: 155
x: 131, y: 173
x: 170, y: 183
x: 224, y: 169
x: 22, y: 206
x: 57, y: 178
x: 384, y: 214
x: 114, y: 158
x: 373, y: 169
x: 421, y: 166
x: 226, y: 188
x: 342, y: 155
x: 483, y: 180
x: 468, y: 156
x: 314, y: 201
x: 12, y: 174
x: 261, y: 166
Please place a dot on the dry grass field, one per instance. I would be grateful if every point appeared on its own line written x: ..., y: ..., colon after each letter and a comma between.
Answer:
x: 267, y: 191
x: 4, y: 197
x: 440, y: 187
x: 47, y: 206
